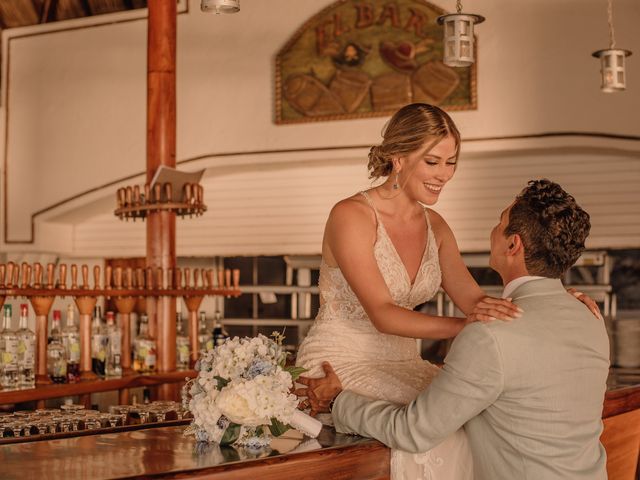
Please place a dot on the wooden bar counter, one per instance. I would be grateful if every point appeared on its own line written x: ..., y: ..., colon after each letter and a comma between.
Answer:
x: 163, y: 452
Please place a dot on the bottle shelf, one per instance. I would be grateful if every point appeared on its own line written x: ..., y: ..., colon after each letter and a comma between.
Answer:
x: 46, y: 392
x: 118, y: 292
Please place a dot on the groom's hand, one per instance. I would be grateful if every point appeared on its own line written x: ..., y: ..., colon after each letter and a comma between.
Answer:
x: 319, y: 391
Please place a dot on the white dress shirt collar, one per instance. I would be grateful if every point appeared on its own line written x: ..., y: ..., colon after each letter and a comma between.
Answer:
x: 516, y: 282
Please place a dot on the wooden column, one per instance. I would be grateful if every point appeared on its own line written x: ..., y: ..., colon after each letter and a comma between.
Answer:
x: 161, y: 150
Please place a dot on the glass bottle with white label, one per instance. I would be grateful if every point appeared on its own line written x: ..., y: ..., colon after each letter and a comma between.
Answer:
x: 144, y: 348
x: 182, y: 345
x: 8, y: 353
x: 205, y: 341
x: 71, y: 342
x: 114, y: 349
x: 56, y: 353
x: 26, y: 350
x: 99, y: 343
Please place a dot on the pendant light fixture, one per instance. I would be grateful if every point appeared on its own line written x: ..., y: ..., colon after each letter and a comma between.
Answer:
x: 220, y: 6
x: 458, y: 36
x: 612, y: 60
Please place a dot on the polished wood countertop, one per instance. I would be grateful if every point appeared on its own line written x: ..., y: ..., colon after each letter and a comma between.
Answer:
x: 164, y: 452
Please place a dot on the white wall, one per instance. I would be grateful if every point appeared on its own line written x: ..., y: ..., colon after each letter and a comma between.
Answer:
x: 76, y: 105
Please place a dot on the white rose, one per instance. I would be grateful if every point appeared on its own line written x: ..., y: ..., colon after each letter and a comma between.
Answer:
x: 235, y: 407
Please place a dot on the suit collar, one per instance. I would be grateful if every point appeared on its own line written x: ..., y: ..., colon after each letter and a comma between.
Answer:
x: 544, y: 286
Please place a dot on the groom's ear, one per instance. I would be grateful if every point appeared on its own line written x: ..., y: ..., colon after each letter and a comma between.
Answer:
x: 515, y: 244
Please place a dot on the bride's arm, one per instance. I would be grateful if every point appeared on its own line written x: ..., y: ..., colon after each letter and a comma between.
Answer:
x: 457, y: 282
x: 350, y: 235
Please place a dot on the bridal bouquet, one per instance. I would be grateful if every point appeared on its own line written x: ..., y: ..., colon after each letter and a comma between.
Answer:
x: 241, y: 394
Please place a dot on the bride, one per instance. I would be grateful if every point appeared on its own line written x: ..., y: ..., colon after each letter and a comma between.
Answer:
x: 384, y: 253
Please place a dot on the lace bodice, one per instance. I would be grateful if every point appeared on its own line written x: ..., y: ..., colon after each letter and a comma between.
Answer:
x: 343, y: 326
x: 338, y: 300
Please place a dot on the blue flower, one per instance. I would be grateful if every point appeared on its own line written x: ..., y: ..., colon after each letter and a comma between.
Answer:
x: 202, y: 435
x: 258, y: 367
x: 223, y: 422
x: 256, y: 443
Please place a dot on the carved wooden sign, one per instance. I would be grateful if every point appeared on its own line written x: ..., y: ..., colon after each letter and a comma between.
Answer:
x: 366, y: 58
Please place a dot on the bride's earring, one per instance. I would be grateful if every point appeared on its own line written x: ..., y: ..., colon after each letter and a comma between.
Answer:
x: 396, y: 183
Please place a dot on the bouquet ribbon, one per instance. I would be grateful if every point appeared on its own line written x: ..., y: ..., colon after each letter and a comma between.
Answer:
x: 305, y: 424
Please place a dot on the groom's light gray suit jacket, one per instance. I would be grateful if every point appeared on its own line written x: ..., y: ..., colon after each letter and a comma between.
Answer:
x: 529, y: 394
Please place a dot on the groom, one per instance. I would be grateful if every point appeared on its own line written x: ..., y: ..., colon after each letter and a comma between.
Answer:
x: 529, y: 393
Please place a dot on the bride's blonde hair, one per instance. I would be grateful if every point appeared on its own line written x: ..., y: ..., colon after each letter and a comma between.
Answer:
x: 406, y: 131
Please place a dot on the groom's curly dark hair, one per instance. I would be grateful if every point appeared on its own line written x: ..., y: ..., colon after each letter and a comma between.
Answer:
x: 552, y: 226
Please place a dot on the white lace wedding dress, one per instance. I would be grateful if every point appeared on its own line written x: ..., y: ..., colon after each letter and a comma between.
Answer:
x: 384, y: 366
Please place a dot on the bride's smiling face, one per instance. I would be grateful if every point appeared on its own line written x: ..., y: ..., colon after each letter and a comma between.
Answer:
x: 424, y: 172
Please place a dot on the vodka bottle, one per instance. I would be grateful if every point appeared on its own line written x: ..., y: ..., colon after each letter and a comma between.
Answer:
x: 71, y: 342
x: 99, y: 343
x: 56, y: 353
x: 26, y: 350
x: 114, y: 350
x: 144, y: 348
x: 9, y: 353
x: 182, y: 345
x: 205, y: 341
x: 219, y: 334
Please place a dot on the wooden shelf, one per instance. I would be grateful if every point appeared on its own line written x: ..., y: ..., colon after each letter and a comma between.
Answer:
x: 118, y: 292
x: 44, y: 392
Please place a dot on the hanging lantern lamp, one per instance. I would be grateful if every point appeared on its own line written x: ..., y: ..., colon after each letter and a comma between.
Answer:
x: 458, y: 37
x: 612, y: 60
x: 220, y: 6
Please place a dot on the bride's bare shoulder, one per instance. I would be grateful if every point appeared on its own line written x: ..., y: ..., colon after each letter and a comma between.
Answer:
x: 441, y: 229
x: 353, y: 209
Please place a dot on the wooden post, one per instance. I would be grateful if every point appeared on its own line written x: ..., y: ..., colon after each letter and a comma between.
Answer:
x: 41, y: 305
x: 193, y: 304
x: 161, y: 150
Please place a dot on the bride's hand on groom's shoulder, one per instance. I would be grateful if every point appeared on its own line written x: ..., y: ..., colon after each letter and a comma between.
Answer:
x: 489, y: 309
x: 318, y: 393
x: 588, y: 301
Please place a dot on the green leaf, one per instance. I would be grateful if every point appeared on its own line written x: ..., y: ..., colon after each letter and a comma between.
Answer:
x: 231, y: 434
x: 222, y: 382
x: 277, y: 428
x: 295, y: 372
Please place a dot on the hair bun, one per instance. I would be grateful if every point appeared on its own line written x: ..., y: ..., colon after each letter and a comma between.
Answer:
x: 379, y: 165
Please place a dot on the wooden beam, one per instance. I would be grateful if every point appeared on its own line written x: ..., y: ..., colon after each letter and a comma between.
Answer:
x: 86, y: 8
x: 161, y: 150
x: 17, y: 14
x: 48, y: 12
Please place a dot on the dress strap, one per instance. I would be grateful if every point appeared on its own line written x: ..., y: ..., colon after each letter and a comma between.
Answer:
x: 365, y: 194
x: 431, y: 237
x: 426, y: 214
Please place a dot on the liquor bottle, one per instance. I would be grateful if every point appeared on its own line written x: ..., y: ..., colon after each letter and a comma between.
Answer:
x: 219, y: 334
x: 205, y: 341
x: 71, y: 342
x: 9, y: 351
x: 144, y: 348
x: 26, y: 350
x: 114, y: 350
x: 99, y: 343
x: 56, y: 354
x: 182, y: 345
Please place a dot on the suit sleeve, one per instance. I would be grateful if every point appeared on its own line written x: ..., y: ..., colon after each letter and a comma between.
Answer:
x: 470, y: 381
